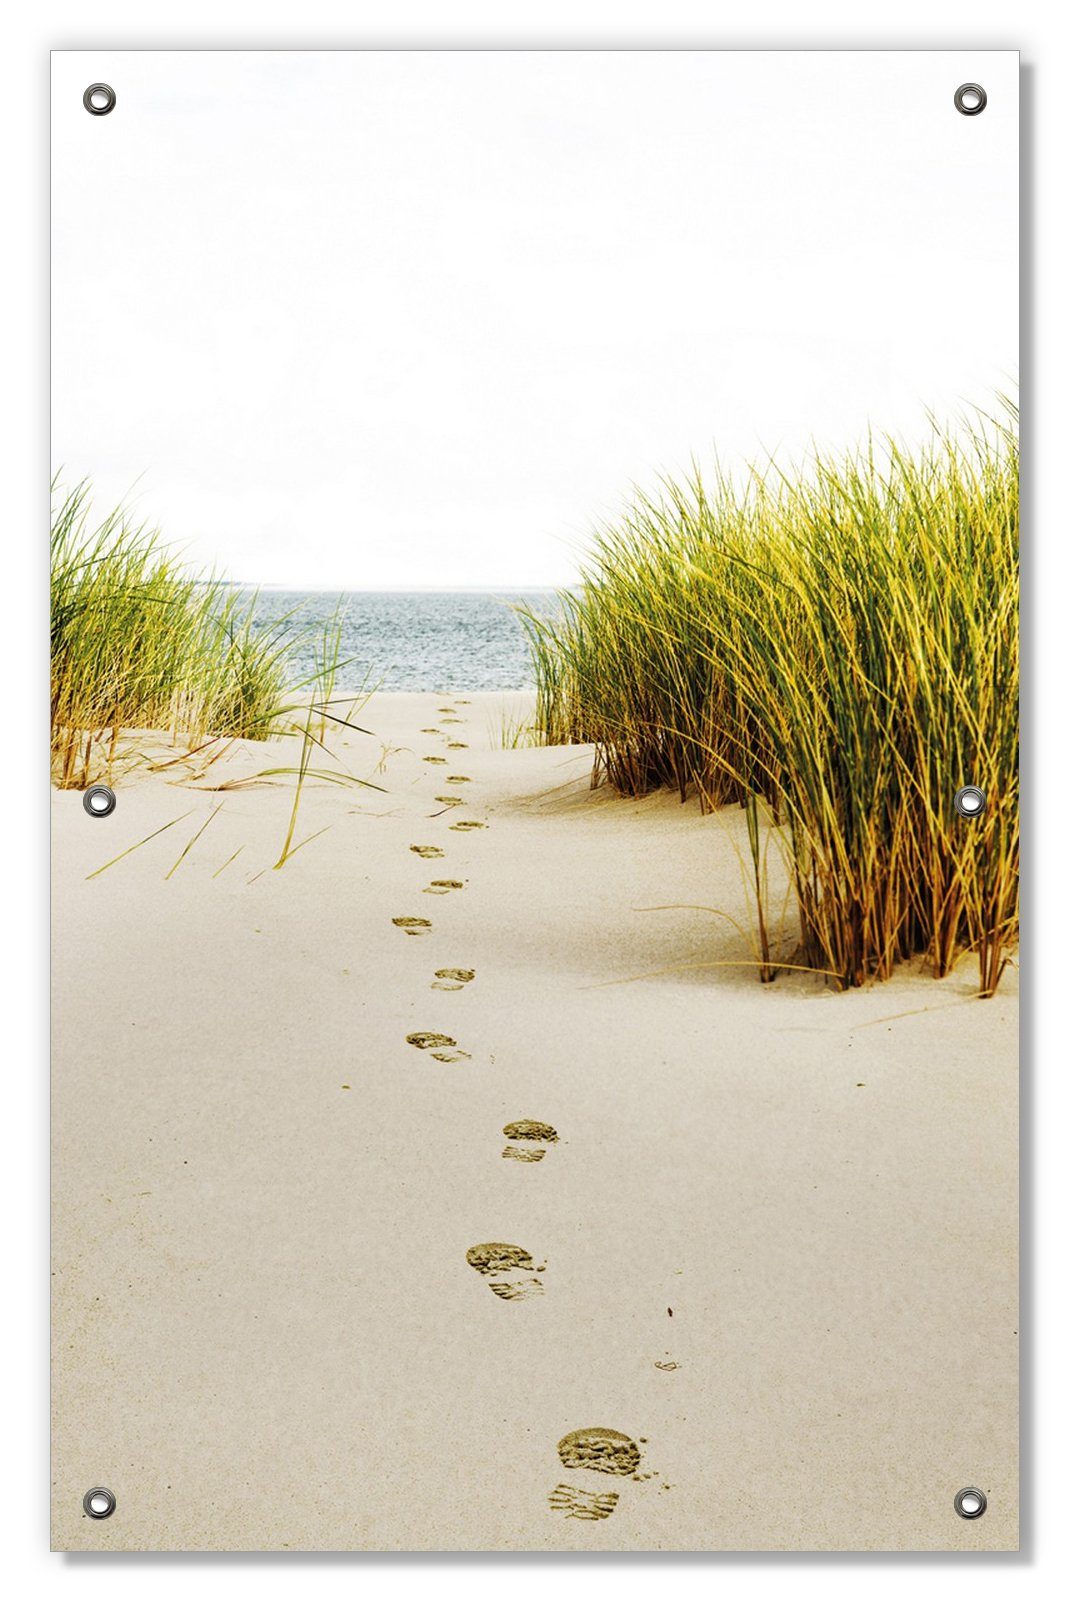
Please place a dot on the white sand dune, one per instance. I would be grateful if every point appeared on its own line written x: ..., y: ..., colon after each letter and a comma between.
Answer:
x: 775, y: 1241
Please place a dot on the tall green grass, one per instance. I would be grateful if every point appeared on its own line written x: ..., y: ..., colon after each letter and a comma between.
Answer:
x: 842, y: 643
x: 141, y: 642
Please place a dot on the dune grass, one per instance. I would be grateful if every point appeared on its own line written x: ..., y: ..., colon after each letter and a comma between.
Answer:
x: 837, y: 651
x: 516, y: 731
x: 141, y: 642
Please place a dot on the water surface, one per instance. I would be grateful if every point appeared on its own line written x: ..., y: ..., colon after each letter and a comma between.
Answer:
x: 413, y: 640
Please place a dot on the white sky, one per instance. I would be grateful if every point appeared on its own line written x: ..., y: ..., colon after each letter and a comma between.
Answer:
x: 378, y: 320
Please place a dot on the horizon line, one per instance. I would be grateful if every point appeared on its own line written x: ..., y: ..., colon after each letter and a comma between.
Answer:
x: 401, y: 589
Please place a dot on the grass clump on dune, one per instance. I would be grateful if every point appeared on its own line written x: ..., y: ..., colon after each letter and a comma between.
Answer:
x: 140, y: 642
x: 840, y: 646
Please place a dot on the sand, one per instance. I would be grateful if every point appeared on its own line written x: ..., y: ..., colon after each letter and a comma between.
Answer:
x: 773, y: 1246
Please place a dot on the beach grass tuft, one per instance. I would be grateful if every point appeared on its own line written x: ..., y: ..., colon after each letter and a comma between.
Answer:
x: 841, y: 642
x: 140, y: 641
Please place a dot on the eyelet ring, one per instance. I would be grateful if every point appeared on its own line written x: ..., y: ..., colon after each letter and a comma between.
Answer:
x: 99, y: 801
x: 970, y: 1503
x: 970, y: 801
x: 99, y: 1502
x: 970, y: 99
x: 102, y: 92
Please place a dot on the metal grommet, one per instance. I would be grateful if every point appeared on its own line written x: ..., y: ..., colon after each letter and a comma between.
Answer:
x: 98, y: 800
x: 99, y: 1502
x: 970, y: 801
x: 970, y: 99
x: 99, y: 99
x: 970, y: 1503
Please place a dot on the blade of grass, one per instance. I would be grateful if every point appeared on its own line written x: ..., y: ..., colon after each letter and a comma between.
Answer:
x: 138, y: 844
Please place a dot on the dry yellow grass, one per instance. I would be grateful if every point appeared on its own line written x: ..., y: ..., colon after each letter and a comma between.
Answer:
x: 838, y: 651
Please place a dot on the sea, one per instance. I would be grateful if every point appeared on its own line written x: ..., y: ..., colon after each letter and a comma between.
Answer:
x: 411, y: 640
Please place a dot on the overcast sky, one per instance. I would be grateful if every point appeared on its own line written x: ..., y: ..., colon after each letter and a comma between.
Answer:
x: 378, y: 320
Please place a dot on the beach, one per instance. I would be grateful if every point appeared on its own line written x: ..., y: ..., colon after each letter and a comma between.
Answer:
x: 773, y: 1244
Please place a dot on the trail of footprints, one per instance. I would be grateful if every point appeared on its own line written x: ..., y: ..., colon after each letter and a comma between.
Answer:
x: 441, y: 1047
x: 510, y: 1271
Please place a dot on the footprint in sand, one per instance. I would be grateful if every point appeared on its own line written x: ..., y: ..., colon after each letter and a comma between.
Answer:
x: 463, y: 703
x: 412, y: 926
x: 466, y: 824
x: 495, y: 1260
x: 430, y: 731
x: 457, y: 778
x: 447, y: 709
x: 435, y: 759
x: 453, y: 978
x: 453, y: 720
x: 428, y: 851
x: 531, y: 1140
x: 442, y: 887
x: 451, y: 800
x: 443, y: 1048
x: 583, y: 1504
x: 456, y: 745
x: 594, y: 1451
x: 604, y: 1451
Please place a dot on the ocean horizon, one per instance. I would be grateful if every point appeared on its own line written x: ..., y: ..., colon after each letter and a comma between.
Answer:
x: 447, y: 640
